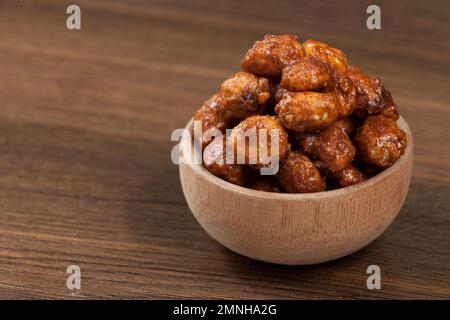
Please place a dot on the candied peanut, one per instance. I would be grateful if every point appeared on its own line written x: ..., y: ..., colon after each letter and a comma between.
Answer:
x: 306, y: 142
x: 334, y: 149
x: 380, y: 141
x: 245, y: 94
x: 344, y: 89
x: 214, y: 114
x: 349, y: 176
x: 276, y: 93
x: 269, y: 56
x: 372, y: 96
x: 307, y: 74
x: 298, y: 174
x: 347, y: 125
x: 239, y: 97
x: 215, y: 161
x: 322, y: 51
x: 307, y: 111
x: 262, y: 145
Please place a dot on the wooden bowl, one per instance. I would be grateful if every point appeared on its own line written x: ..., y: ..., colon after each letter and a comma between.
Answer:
x: 296, y: 229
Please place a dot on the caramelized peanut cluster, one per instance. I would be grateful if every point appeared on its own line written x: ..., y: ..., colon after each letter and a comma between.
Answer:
x: 335, y: 125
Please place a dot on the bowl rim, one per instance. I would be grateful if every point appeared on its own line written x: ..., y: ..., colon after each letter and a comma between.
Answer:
x: 200, y: 170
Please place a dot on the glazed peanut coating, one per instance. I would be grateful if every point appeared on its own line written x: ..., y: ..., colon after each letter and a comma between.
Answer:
x: 340, y: 83
x: 372, y: 96
x: 335, y: 117
x: 214, y: 114
x: 215, y: 161
x: 322, y: 51
x: 380, y: 141
x: 298, y: 174
x: 276, y: 92
x: 263, y: 146
x: 265, y: 183
x: 269, y: 56
x: 307, y: 74
x: 349, y: 176
x: 345, y: 91
x: 389, y: 109
x: 334, y: 149
x: 347, y: 125
x: 307, y: 111
x: 306, y: 142
x: 240, y: 96
x: 245, y: 94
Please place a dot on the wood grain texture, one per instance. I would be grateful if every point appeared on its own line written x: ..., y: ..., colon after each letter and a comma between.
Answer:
x: 85, y: 127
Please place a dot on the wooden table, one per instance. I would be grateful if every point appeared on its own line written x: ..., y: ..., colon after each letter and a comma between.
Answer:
x: 85, y: 124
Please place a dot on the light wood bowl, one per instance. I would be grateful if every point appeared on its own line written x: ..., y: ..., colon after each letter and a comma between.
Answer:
x: 297, y: 229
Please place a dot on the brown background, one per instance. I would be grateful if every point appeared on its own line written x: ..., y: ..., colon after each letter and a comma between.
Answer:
x: 85, y: 123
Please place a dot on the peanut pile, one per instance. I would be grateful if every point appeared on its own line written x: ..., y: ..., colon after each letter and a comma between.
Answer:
x: 336, y: 126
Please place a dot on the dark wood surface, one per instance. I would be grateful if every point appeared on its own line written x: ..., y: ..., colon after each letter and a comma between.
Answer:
x: 85, y: 123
